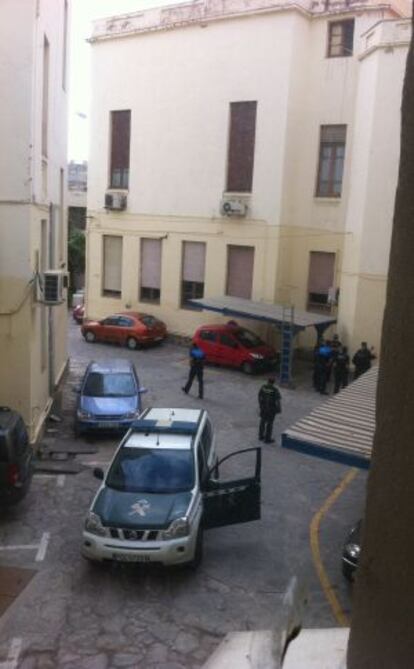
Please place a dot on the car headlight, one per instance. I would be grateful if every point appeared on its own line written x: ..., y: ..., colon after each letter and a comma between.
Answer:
x: 132, y: 414
x: 178, y: 528
x: 353, y: 550
x: 83, y: 414
x: 93, y: 524
x: 256, y: 356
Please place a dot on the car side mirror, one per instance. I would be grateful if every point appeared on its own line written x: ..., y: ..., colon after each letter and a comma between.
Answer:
x: 211, y: 484
x: 98, y: 473
x: 76, y: 389
x: 143, y: 390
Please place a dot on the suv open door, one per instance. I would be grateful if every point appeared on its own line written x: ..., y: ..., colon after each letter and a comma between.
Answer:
x: 232, y: 502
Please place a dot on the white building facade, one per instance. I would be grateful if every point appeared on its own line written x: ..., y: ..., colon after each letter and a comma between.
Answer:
x: 33, y: 128
x: 237, y: 149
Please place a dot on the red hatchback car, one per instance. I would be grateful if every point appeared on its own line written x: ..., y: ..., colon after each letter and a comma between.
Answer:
x: 129, y: 328
x: 234, y: 346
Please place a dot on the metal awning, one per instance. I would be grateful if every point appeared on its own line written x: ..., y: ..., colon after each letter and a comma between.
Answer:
x: 262, y: 311
x: 288, y: 319
x: 341, y: 429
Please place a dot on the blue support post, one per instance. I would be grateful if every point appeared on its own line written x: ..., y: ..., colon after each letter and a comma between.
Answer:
x: 287, y: 333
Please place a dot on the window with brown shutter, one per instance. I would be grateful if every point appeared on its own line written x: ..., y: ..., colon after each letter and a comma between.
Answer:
x: 192, y: 283
x: 240, y: 158
x: 120, y: 141
x: 320, y: 280
x: 112, y: 266
x: 341, y: 38
x: 240, y: 261
x: 331, y: 160
x: 150, y: 283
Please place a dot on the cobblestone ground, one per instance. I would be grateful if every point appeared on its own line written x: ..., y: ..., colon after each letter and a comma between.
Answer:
x: 76, y: 616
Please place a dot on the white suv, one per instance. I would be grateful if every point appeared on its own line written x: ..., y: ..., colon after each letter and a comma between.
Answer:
x: 162, y: 490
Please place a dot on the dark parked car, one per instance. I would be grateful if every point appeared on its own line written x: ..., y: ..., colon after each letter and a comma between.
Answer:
x: 129, y: 328
x: 16, y: 457
x: 351, y: 552
x: 109, y: 397
x: 234, y: 346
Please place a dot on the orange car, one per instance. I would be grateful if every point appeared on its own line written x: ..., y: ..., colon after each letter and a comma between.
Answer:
x: 129, y: 328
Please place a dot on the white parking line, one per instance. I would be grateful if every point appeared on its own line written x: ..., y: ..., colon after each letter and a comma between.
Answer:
x: 20, y: 547
x: 44, y: 541
x: 13, y: 654
x: 60, y: 479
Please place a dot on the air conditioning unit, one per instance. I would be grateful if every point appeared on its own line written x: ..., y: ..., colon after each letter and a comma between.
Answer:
x: 233, y: 207
x: 49, y: 287
x: 115, y: 201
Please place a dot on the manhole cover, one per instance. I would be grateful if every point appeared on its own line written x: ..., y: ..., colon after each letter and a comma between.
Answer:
x: 13, y: 581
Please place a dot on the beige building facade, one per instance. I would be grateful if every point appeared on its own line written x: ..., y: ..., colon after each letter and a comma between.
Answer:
x: 33, y: 129
x: 249, y: 149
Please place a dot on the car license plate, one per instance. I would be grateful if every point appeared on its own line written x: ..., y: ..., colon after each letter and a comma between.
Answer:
x: 107, y: 423
x: 128, y: 557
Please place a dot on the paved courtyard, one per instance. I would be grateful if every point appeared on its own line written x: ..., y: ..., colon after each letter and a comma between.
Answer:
x: 76, y: 616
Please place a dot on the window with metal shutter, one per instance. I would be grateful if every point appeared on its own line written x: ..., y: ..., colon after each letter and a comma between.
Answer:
x: 112, y: 265
x: 331, y: 160
x: 150, y: 290
x: 192, y: 283
x: 240, y: 261
x: 120, y: 142
x: 321, y: 278
x: 241, y: 146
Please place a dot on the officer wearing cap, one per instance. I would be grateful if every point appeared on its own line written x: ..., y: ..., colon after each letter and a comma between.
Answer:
x: 270, y: 405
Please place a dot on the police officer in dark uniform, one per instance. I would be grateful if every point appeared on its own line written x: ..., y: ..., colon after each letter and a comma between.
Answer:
x: 323, y: 363
x: 362, y: 359
x: 270, y: 405
x: 197, y: 359
x: 341, y: 369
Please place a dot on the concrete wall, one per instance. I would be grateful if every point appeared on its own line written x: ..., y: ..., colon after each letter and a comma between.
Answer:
x: 32, y: 356
x: 375, y: 171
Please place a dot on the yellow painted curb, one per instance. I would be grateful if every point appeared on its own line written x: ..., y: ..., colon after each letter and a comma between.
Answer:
x: 330, y: 595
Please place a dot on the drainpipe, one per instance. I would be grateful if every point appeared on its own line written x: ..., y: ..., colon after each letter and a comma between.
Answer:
x: 51, y: 332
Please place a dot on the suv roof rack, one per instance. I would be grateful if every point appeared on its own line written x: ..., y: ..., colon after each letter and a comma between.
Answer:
x: 164, y: 426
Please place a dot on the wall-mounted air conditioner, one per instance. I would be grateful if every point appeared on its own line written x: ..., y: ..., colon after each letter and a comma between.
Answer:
x: 49, y: 287
x: 233, y: 207
x: 115, y: 201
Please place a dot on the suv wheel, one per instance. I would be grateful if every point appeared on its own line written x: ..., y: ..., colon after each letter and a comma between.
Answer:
x: 90, y: 336
x: 198, y: 551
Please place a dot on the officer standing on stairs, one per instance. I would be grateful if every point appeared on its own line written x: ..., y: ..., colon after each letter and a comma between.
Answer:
x: 270, y: 405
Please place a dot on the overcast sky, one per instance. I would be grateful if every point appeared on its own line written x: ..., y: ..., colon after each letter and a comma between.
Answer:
x: 83, y: 13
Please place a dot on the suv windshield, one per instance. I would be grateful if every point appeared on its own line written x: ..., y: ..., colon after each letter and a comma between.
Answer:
x: 109, y: 385
x: 160, y: 470
x: 247, y: 338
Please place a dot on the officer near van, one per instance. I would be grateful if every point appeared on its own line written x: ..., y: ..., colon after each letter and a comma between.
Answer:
x: 269, y: 405
x: 362, y: 359
x: 341, y: 369
x: 197, y: 359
